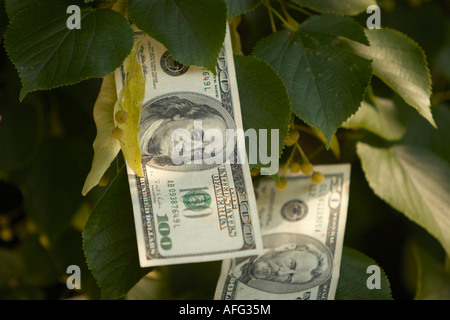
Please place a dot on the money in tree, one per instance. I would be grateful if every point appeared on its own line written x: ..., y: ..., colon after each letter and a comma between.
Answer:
x: 86, y: 180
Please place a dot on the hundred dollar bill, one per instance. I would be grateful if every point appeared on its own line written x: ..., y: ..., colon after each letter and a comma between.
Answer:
x: 190, y: 205
x: 303, y: 231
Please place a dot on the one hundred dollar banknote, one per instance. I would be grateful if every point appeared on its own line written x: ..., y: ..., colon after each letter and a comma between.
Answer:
x: 188, y: 209
x: 303, y: 231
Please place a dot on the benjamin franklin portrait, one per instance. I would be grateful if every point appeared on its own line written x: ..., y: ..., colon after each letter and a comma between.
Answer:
x: 161, y: 117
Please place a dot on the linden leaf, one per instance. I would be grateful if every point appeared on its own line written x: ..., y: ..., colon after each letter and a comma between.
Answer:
x: 326, y: 83
x: 193, y: 31
x: 381, y: 116
x: 47, y: 54
x: 106, y: 147
x: 347, y: 7
x: 264, y: 100
x: 237, y: 7
x: 414, y: 181
x: 353, y: 278
x: 401, y: 64
x: 109, y: 241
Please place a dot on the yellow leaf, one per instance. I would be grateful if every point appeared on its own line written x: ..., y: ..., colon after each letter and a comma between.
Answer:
x: 120, y: 6
x: 130, y: 100
x: 334, y: 144
x: 105, y: 146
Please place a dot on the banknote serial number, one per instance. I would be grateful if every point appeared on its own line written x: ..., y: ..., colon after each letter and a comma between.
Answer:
x: 174, y: 204
x: 206, y: 81
x: 209, y: 82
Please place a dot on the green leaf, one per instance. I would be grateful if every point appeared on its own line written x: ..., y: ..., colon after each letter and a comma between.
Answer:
x: 151, y: 287
x: 421, y: 133
x: 334, y: 25
x: 382, y: 117
x: 40, y: 269
x: 353, y: 278
x: 264, y: 101
x: 69, y: 251
x: 401, y: 63
x: 326, y: 84
x: 414, y: 181
x: 20, y: 133
x: 51, y: 55
x: 51, y: 185
x: 109, y: 241
x: 13, y: 6
x: 106, y: 147
x: 347, y: 7
x: 193, y: 31
x: 432, y: 281
x: 237, y: 7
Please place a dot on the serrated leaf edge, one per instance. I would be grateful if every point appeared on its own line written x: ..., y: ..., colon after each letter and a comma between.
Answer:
x: 23, y: 94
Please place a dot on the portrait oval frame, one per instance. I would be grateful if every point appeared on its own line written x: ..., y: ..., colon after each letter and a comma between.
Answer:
x: 272, y: 241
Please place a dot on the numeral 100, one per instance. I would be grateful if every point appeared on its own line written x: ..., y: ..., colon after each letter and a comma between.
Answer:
x: 164, y: 231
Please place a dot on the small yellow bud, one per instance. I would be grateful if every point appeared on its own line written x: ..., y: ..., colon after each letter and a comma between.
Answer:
x: 307, y: 168
x: 121, y: 116
x: 117, y: 133
x: 317, y: 178
x: 295, y: 167
x: 292, y: 138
